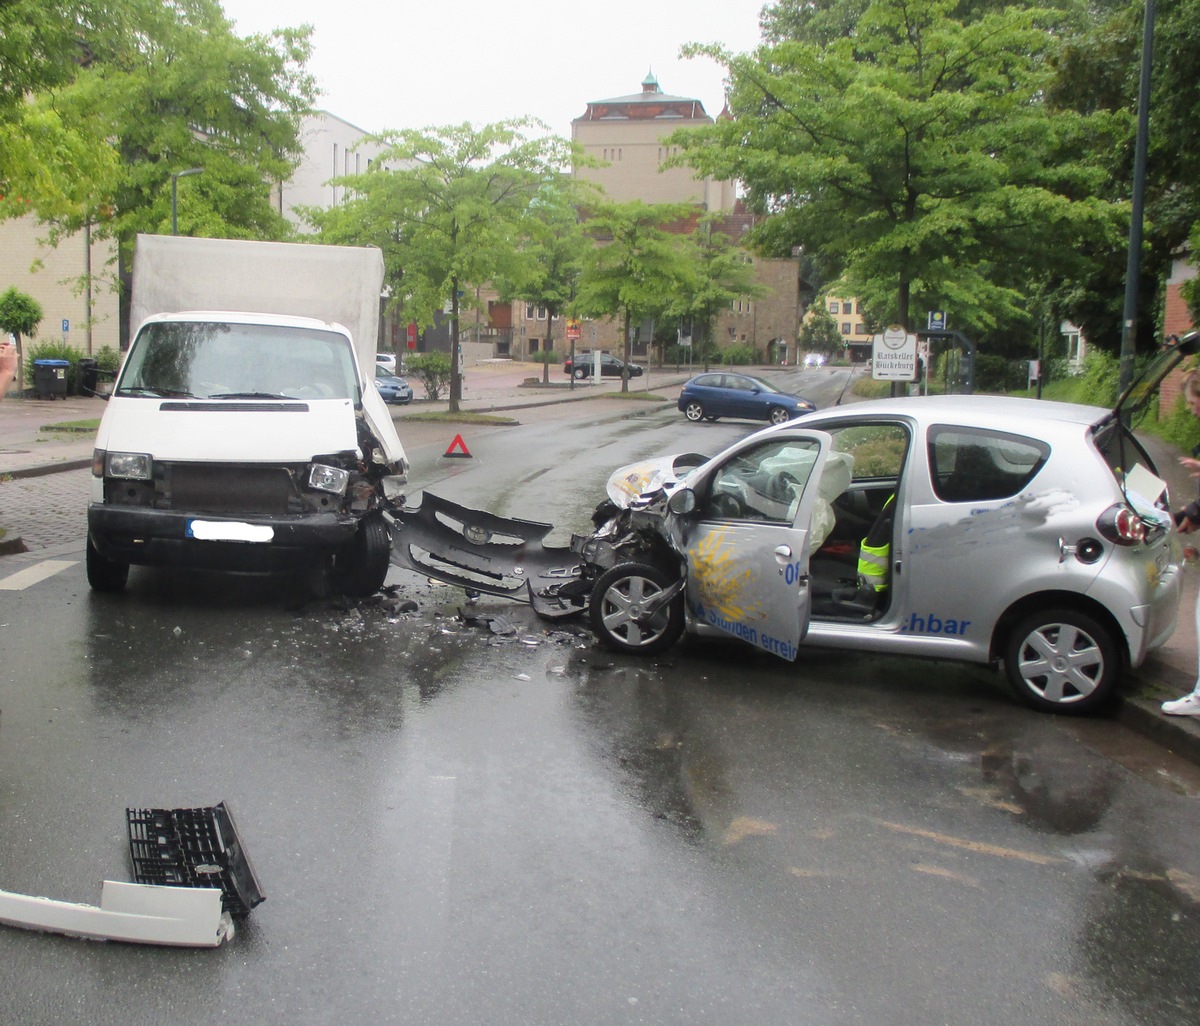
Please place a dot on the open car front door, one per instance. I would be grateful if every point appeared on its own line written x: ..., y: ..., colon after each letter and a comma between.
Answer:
x: 748, y: 540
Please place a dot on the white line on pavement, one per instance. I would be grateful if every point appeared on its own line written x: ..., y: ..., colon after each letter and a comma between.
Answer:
x: 30, y: 576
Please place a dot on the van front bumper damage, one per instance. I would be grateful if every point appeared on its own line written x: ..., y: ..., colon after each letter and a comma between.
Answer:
x: 256, y: 544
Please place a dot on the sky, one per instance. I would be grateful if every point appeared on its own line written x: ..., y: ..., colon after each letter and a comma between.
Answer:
x: 396, y: 64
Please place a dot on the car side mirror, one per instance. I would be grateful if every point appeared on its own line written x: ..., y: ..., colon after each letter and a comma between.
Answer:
x: 682, y: 502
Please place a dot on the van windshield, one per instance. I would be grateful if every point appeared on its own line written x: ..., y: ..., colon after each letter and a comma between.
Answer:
x: 222, y: 360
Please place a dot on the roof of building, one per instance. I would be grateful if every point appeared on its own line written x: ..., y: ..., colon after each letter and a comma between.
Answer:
x: 650, y: 104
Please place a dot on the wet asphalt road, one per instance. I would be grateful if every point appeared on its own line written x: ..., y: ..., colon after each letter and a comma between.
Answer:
x: 458, y: 823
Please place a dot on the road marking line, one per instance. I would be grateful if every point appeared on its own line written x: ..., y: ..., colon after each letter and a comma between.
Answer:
x: 32, y: 575
x: 976, y: 846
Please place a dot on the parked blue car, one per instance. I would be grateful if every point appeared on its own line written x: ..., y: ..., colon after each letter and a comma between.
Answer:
x: 721, y: 394
x: 392, y: 388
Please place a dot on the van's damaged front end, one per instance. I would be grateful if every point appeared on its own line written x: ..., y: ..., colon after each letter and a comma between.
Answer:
x: 488, y: 554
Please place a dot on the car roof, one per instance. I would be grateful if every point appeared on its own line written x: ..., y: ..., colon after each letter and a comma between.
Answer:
x: 1014, y: 412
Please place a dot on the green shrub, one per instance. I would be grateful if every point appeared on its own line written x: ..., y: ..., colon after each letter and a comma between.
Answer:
x: 739, y: 355
x: 433, y: 370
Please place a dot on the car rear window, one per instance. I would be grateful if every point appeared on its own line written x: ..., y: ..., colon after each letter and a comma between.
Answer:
x: 971, y: 465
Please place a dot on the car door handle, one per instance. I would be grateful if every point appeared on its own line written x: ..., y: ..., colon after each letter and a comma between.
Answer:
x: 783, y: 553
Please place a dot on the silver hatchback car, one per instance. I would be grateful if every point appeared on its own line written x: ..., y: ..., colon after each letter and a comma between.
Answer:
x: 976, y: 528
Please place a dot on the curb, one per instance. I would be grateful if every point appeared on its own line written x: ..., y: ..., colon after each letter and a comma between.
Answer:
x: 48, y: 468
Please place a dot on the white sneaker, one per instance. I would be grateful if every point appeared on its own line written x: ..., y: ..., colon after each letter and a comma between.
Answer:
x: 1188, y: 705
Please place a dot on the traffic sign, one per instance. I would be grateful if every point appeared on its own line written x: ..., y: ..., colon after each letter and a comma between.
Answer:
x: 937, y: 320
x: 894, y: 355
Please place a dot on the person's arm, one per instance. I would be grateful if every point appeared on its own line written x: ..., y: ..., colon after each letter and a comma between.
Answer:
x: 8, y: 366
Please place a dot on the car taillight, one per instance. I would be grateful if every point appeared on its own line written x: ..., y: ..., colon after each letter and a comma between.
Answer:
x: 1121, y: 525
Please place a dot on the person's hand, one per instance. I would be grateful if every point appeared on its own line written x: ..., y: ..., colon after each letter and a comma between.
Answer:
x: 8, y: 365
x: 1191, y: 465
x: 1186, y: 526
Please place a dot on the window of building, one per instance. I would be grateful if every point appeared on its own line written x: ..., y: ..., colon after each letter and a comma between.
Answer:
x: 860, y: 329
x: 846, y: 307
x: 833, y: 306
x: 845, y: 327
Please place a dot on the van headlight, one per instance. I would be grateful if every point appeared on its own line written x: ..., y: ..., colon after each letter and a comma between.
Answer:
x: 132, y: 466
x: 325, y: 478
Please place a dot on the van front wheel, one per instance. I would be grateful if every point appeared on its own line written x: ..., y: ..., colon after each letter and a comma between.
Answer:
x: 360, y: 568
x: 105, y: 575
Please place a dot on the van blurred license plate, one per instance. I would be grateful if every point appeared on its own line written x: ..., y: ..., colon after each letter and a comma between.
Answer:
x: 229, y: 530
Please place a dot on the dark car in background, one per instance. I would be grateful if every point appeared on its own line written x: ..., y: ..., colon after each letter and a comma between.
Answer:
x: 721, y: 394
x: 392, y: 388
x: 610, y: 367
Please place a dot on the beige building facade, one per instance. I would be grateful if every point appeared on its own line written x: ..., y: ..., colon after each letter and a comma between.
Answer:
x: 73, y: 282
x: 626, y: 135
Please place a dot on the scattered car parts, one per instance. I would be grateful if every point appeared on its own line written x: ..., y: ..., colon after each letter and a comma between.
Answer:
x: 192, y: 877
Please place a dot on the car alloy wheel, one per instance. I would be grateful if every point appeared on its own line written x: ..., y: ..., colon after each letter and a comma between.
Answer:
x: 618, y: 610
x: 694, y: 411
x: 779, y: 415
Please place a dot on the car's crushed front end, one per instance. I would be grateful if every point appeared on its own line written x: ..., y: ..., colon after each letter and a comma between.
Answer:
x: 483, y: 553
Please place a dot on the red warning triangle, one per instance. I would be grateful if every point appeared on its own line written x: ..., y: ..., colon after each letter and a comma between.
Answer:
x: 458, y: 449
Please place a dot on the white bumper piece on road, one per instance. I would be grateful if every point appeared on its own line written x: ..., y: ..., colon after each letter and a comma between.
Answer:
x: 135, y: 913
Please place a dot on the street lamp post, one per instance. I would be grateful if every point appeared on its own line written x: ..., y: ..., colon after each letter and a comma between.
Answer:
x: 175, y: 176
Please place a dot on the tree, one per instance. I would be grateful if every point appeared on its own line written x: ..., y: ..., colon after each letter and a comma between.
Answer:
x: 1097, y: 68
x: 915, y: 156
x: 447, y: 207
x: 155, y: 89
x: 547, y: 265
x: 636, y: 268
x: 721, y: 274
x: 20, y: 315
x: 819, y: 332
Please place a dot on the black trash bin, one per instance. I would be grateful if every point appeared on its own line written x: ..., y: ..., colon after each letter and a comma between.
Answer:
x: 88, y: 375
x: 50, y: 378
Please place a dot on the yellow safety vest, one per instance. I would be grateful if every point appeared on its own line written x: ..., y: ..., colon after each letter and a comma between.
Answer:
x: 873, y: 559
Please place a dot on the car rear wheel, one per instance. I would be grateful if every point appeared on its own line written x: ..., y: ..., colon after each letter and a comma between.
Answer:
x: 579, y: 373
x: 618, y: 610
x: 779, y: 415
x: 1062, y: 661
x: 105, y: 575
x: 694, y: 412
x: 360, y: 568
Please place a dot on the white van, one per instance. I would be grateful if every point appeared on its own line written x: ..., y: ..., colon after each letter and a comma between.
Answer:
x: 244, y: 432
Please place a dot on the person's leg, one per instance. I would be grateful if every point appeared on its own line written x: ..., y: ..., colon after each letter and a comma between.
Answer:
x: 1189, y: 704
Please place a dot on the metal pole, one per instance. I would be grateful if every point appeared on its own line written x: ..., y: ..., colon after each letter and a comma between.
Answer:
x: 1133, y: 265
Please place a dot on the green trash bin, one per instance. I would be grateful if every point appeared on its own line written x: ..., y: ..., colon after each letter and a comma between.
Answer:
x: 50, y: 378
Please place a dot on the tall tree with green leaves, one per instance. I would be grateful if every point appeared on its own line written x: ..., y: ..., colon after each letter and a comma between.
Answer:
x: 915, y: 156
x: 550, y: 248
x: 448, y: 208
x: 721, y: 274
x: 635, y: 267
x: 143, y: 90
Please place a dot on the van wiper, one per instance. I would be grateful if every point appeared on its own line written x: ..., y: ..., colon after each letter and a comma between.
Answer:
x: 249, y: 395
x: 158, y: 393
